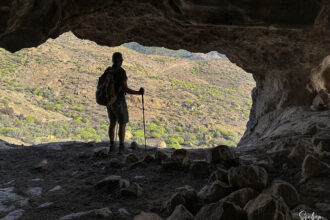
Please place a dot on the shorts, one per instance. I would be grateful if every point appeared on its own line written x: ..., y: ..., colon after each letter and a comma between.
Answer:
x: 118, y: 112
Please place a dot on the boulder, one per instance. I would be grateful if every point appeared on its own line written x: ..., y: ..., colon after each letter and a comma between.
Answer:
x: 241, y: 197
x: 313, y: 167
x: 109, y: 182
x: 175, y: 200
x: 171, y: 164
x: 187, y: 191
x: 286, y: 191
x: 134, y: 190
x: 219, y: 174
x: 323, y: 136
x: 248, y: 176
x: 192, y: 202
x: 279, y: 157
x: 139, y: 164
x: 132, y: 158
x: 221, y: 154
x: 83, y: 155
x: 267, y: 206
x: 297, y: 154
x: 182, y: 155
x: 101, y: 151
x: 42, y: 166
x: 215, y: 191
x: 148, y: 159
x: 160, y: 156
x: 221, y: 211
x: 161, y: 144
x: 134, y: 145
x: 323, y: 146
x: 124, y: 183
x: 200, y: 169
x: 115, y: 163
x: 181, y: 213
x: 147, y: 216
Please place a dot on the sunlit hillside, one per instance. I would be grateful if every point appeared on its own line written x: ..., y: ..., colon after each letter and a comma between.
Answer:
x: 48, y: 94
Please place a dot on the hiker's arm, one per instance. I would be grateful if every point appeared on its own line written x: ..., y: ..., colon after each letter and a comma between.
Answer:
x: 131, y: 91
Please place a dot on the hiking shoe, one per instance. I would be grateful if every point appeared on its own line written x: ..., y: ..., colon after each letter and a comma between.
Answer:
x: 112, y: 148
x: 121, y: 149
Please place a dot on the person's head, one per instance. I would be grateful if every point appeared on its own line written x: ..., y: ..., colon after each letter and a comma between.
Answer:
x: 117, y: 59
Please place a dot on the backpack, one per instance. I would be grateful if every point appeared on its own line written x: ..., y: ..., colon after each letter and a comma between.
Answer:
x: 105, y: 92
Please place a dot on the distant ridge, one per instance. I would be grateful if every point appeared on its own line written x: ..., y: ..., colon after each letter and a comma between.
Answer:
x: 173, y: 53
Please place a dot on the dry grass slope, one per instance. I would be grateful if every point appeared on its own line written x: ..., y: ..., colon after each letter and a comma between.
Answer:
x: 47, y: 94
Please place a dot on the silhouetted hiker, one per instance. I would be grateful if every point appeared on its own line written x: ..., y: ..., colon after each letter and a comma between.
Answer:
x: 117, y: 107
x: 321, y: 101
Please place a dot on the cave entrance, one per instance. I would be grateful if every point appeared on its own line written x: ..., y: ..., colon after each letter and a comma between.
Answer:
x: 192, y: 99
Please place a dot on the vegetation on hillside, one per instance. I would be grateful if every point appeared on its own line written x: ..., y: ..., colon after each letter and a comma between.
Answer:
x: 48, y: 94
x: 161, y: 51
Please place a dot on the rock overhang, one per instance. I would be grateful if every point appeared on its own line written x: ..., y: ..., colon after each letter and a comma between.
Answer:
x: 284, y: 44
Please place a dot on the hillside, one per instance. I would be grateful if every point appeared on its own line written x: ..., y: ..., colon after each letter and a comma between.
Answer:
x: 47, y: 94
x: 161, y: 51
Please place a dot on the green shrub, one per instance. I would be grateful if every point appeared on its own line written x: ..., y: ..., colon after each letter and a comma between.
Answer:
x: 105, y: 127
x: 85, y: 119
x: 203, y: 129
x: 229, y: 135
x: 156, y: 135
x: 78, y: 108
x: 179, y: 129
x: 8, y: 130
x: 30, y: 119
x: 89, y: 133
x: 138, y: 133
x: 57, y: 107
x: 175, y: 146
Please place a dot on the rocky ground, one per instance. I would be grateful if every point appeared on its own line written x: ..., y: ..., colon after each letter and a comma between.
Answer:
x: 80, y: 181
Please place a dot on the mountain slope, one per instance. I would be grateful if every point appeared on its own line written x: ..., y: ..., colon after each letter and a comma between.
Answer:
x: 188, y: 102
x: 161, y: 51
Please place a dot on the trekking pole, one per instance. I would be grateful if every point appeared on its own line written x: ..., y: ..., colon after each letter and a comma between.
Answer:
x: 144, y: 124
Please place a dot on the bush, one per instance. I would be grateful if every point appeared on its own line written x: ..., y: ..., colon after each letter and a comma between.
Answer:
x: 179, y: 129
x: 78, y: 119
x: 30, y: 119
x: 138, y: 133
x: 203, y: 129
x: 8, y: 130
x: 58, y: 107
x: 229, y: 135
x: 175, y: 146
x: 156, y: 135
x: 89, y: 133
x: 175, y: 140
x: 78, y: 108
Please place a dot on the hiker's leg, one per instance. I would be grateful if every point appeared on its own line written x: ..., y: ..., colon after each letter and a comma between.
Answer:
x: 122, y: 129
x: 112, y: 131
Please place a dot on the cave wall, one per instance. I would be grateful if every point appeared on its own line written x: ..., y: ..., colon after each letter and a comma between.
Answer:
x: 284, y: 44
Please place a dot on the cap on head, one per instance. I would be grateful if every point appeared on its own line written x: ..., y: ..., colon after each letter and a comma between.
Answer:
x: 116, y: 57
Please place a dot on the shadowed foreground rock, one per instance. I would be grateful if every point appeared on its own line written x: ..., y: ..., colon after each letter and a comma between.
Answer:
x: 266, y: 206
x: 76, y: 186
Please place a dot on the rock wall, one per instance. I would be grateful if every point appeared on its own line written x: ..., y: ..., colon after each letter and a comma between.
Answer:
x: 284, y: 44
